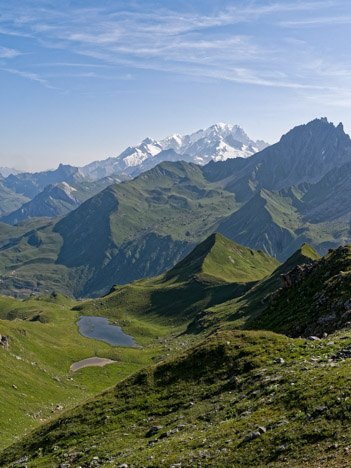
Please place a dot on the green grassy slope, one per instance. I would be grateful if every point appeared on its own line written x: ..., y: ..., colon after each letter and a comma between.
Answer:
x: 221, y: 258
x: 41, y: 329
x: 121, y: 234
x: 28, y: 260
x: 215, y: 271
x: 44, y: 342
x: 274, y: 222
x: 240, y: 311
x: 225, y: 402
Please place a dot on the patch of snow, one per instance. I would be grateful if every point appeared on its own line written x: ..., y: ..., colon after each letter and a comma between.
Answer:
x: 218, y: 142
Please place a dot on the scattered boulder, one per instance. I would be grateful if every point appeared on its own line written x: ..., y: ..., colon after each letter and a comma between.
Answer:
x: 168, y: 433
x: 21, y: 460
x: 252, y: 436
x: 319, y: 410
x: 343, y: 354
x: 279, y: 360
x: 153, y: 430
x: 295, y: 275
x: 234, y: 380
x: 4, y: 342
x: 313, y: 338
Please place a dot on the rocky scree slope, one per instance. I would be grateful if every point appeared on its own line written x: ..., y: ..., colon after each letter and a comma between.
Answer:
x: 314, y: 300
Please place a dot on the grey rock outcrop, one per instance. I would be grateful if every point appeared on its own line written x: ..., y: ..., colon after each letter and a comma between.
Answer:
x: 4, y: 342
x: 287, y: 280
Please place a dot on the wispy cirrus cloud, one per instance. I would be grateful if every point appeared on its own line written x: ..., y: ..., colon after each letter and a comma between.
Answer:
x: 6, y: 53
x: 28, y: 76
x: 184, y: 42
x: 316, y: 21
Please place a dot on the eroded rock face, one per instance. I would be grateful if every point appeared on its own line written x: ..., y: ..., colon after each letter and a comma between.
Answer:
x: 287, y: 280
x: 4, y: 342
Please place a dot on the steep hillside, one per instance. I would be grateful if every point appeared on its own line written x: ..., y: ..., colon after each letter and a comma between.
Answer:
x: 59, y: 199
x: 9, y: 200
x: 236, y: 399
x: 328, y: 200
x: 268, y: 221
x: 194, y: 284
x: 243, y: 310
x: 30, y: 184
x: 305, y: 154
x: 313, y: 300
x: 218, y: 257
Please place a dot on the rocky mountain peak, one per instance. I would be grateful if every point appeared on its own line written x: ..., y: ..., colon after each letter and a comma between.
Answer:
x: 217, y: 142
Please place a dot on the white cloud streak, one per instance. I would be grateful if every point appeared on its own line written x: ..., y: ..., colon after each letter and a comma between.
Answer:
x: 186, y: 43
x: 6, y: 53
x: 316, y: 22
x: 28, y: 76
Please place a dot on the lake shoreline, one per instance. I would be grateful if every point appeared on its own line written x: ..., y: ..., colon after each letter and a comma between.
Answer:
x: 99, y: 328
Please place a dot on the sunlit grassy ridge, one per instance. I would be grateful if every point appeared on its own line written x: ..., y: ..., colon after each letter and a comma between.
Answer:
x: 215, y: 271
x: 242, y: 310
x: 204, y: 403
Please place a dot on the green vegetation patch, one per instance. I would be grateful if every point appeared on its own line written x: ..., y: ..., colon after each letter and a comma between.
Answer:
x: 236, y: 399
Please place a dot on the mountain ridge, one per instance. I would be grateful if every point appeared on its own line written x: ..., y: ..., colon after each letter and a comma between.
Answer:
x: 145, y: 226
x: 218, y: 142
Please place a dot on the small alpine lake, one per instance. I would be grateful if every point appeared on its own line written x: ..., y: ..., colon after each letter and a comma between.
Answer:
x: 99, y: 328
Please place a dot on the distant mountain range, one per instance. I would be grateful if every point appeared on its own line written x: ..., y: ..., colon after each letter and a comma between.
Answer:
x: 30, y: 195
x: 292, y: 192
x: 59, y: 199
x: 218, y: 143
x: 6, y: 171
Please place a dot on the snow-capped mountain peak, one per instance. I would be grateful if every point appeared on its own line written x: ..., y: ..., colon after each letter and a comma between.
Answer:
x: 218, y: 142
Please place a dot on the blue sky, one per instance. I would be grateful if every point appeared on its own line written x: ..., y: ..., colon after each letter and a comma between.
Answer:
x: 81, y: 80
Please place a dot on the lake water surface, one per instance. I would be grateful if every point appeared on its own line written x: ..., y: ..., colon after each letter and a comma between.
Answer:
x: 100, y: 329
